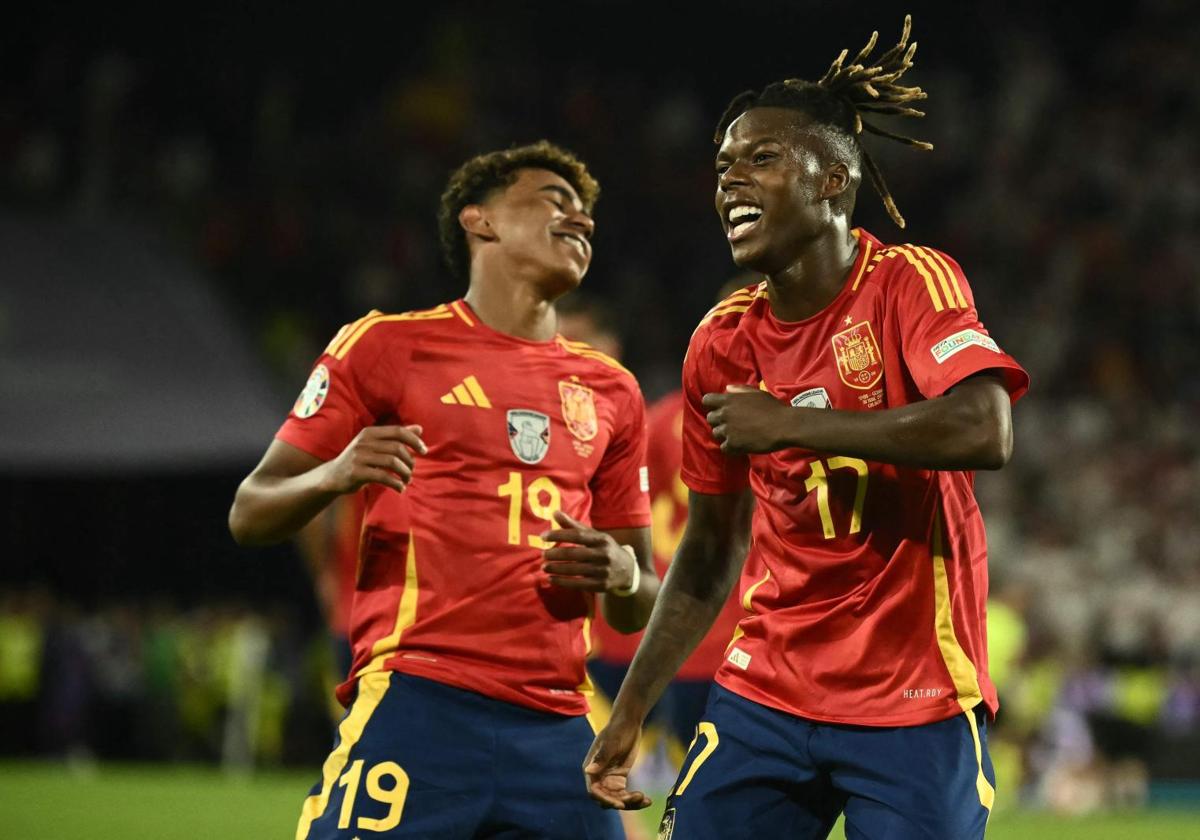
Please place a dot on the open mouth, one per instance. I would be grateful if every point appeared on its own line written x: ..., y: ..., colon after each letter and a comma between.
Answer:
x: 742, y: 219
x: 575, y: 240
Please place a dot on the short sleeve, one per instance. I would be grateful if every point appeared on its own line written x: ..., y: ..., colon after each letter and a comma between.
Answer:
x: 706, y: 469
x: 339, y: 399
x: 942, y: 338
x: 620, y: 488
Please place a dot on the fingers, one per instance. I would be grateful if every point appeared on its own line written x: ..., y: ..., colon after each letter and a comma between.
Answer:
x: 714, y: 400
x: 564, y: 519
x: 587, y: 570
x: 579, y: 536
x: 740, y: 389
x: 374, y: 475
x: 574, y: 554
x: 409, y: 435
x: 609, y: 791
x: 580, y: 583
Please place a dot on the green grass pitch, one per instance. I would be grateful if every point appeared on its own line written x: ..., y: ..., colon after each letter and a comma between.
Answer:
x: 41, y: 801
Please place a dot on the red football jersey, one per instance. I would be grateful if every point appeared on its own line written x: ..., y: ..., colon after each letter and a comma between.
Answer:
x: 450, y: 585
x: 866, y: 581
x: 669, y: 508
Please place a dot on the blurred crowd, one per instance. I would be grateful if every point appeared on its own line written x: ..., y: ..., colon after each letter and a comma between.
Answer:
x: 1065, y: 179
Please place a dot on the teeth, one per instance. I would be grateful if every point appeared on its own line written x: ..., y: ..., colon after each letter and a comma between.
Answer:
x: 742, y: 211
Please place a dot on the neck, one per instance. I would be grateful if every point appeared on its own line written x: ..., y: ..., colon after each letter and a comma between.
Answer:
x: 815, y: 277
x: 519, y: 309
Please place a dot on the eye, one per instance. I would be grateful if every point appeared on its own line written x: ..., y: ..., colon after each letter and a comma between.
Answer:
x: 762, y: 157
x: 722, y: 168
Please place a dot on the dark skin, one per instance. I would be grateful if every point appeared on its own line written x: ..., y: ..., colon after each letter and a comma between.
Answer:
x: 774, y: 160
x: 529, y: 245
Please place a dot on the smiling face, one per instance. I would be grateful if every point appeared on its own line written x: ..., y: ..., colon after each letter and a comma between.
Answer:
x: 538, y: 226
x: 775, y: 187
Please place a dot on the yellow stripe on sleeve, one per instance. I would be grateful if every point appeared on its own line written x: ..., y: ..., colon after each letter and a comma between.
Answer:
x: 958, y: 295
x: 435, y: 314
x: 348, y: 329
x: 924, y: 272
x: 947, y: 294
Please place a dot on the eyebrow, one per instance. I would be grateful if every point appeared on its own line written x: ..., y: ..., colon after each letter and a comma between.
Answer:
x: 754, y: 145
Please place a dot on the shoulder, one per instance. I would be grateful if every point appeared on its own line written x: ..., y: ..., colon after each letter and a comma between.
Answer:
x: 920, y: 271
x: 728, y: 315
x: 378, y: 330
x: 600, y: 366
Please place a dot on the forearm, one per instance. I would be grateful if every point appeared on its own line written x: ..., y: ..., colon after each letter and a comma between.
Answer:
x: 630, y: 614
x: 969, y: 429
x: 692, y: 594
x: 269, y: 509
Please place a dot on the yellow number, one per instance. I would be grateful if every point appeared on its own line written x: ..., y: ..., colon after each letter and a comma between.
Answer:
x: 542, y: 510
x: 349, y: 781
x: 539, y: 507
x: 393, y: 796
x: 512, y: 489
x: 819, y: 481
x: 711, y: 740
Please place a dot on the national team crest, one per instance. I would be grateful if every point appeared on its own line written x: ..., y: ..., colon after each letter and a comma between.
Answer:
x: 859, y: 362
x: 528, y: 434
x: 579, y: 410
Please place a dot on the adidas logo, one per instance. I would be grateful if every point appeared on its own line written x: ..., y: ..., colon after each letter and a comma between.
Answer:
x: 467, y: 392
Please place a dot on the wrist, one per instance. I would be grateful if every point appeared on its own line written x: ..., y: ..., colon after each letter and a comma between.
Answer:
x: 635, y: 581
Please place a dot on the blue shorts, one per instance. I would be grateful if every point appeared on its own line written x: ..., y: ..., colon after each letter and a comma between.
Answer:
x: 757, y: 772
x: 416, y: 758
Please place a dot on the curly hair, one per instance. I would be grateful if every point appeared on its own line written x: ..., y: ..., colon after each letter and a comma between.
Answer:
x: 840, y: 99
x: 480, y: 176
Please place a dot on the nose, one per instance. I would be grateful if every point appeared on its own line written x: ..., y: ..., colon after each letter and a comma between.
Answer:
x: 582, y: 222
x: 734, y: 175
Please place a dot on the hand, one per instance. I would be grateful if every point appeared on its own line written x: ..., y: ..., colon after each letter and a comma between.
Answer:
x: 595, y: 563
x: 377, y: 455
x: 606, y: 767
x: 746, y: 419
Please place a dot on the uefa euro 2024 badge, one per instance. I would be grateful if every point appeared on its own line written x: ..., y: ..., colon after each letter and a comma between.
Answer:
x: 528, y: 434
x: 313, y: 396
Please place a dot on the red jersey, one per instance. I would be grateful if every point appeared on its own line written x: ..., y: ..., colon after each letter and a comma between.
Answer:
x: 449, y: 583
x: 669, y: 508
x: 866, y: 581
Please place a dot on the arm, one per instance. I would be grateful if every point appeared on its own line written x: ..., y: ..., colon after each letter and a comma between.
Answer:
x: 597, y: 562
x: 969, y: 428
x: 706, y: 566
x: 289, y: 487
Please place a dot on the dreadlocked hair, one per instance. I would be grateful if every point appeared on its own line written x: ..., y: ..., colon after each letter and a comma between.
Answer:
x: 842, y: 97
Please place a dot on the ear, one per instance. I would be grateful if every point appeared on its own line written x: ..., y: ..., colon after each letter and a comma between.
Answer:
x: 837, y: 181
x: 474, y: 221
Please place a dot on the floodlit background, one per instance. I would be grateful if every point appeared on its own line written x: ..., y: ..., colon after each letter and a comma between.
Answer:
x: 193, y: 201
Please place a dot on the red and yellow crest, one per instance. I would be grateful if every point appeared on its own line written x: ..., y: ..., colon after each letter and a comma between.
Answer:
x: 579, y: 410
x: 859, y: 362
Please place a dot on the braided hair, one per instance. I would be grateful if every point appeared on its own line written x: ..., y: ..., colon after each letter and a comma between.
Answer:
x: 840, y: 99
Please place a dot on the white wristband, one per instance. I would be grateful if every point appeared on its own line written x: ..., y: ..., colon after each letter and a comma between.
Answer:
x: 637, y: 577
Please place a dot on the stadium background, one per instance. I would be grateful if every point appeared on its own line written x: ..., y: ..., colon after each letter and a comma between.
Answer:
x: 192, y: 201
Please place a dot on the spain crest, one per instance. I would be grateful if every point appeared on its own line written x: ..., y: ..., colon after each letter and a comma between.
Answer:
x: 579, y: 410
x: 859, y: 362
x: 528, y: 434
